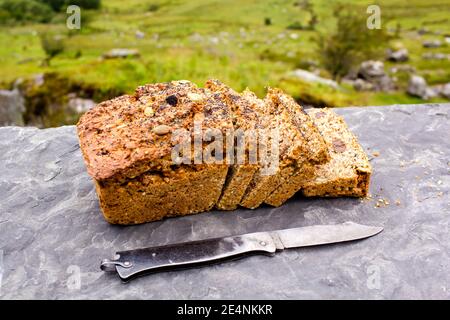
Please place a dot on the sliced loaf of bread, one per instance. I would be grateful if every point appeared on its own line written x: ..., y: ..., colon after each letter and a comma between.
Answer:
x: 246, y: 119
x: 298, y: 143
x: 315, y: 148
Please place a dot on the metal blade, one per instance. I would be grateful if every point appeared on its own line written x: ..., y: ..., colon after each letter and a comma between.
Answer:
x: 325, y: 234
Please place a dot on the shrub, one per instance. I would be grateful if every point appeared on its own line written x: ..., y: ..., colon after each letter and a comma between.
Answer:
x: 56, y: 5
x: 52, y: 45
x: 25, y: 10
x: 295, y: 26
x: 351, y: 43
x: 85, y: 4
x: 153, y: 7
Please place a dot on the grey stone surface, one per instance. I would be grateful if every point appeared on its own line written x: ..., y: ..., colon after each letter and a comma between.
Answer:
x: 400, y: 55
x: 12, y: 107
x: 51, y: 226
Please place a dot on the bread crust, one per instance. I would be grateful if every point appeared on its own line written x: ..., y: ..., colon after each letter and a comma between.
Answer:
x: 127, y: 147
x: 348, y: 172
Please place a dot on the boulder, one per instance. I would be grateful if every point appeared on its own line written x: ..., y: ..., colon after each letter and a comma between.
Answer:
x: 418, y: 87
x: 443, y: 90
x: 121, y: 53
x: 403, y: 68
x: 312, y: 77
x: 80, y: 105
x: 446, y: 91
x: 432, y: 44
x: 362, y: 85
x: 401, y: 55
x: 139, y: 34
x: 12, y: 107
x: 435, y: 56
x: 371, y: 69
x: 373, y: 72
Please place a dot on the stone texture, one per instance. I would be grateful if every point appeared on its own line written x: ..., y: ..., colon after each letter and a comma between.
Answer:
x: 372, y: 73
x: 12, y: 107
x: 51, y: 226
x: 121, y: 53
x: 400, y: 55
x: 312, y: 77
x: 417, y: 86
x: 432, y: 44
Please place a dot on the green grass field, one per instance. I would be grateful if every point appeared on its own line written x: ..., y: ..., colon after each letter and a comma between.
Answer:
x: 228, y: 40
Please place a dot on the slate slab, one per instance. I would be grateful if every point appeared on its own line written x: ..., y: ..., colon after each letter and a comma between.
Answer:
x: 52, y: 235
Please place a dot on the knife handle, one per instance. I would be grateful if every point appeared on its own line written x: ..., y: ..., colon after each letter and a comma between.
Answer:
x: 129, y: 264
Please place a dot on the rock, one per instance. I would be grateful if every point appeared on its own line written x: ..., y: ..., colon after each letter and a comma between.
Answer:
x: 311, y: 77
x: 121, y: 53
x: 431, y: 44
x: 53, y: 235
x: 39, y: 79
x: 155, y: 37
x: 423, y: 31
x: 80, y: 105
x: 446, y: 91
x: 401, y: 55
x: 12, y: 107
x: 362, y: 85
x: 447, y: 40
x: 403, y: 68
x: 443, y: 90
x: 139, y: 35
x: 294, y: 36
x: 373, y: 72
x: 371, y: 69
x: 290, y: 54
x: 436, y: 56
x: 214, y: 40
x: 418, y: 87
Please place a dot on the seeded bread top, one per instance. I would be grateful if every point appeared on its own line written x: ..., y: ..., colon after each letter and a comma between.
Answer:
x: 315, y: 148
x: 292, y: 143
x: 126, y: 136
x: 347, y: 156
x: 244, y: 114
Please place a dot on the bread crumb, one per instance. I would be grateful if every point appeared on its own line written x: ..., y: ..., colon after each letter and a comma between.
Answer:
x: 149, y: 112
x: 376, y: 154
x: 397, y: 202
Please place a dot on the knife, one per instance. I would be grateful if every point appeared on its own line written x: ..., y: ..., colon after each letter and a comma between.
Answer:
x: 132, y: 263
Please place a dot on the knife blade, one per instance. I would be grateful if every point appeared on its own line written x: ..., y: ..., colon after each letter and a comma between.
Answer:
x: 132, y: 263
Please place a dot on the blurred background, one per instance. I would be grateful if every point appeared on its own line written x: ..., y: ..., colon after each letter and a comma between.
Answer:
x: 319, y: 51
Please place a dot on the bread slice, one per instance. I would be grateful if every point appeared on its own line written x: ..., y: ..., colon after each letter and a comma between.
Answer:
x: 246, y: 118
x: 314, y: 143
x: 299, y: 142
x: 348, y: 172
x: 127, y: 145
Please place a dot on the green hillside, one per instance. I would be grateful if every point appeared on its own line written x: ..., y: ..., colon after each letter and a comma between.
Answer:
x: 245, y: 43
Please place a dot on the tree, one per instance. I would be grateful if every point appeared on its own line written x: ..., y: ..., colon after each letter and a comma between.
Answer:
x: 351, y: 43
x: 25, y: 10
